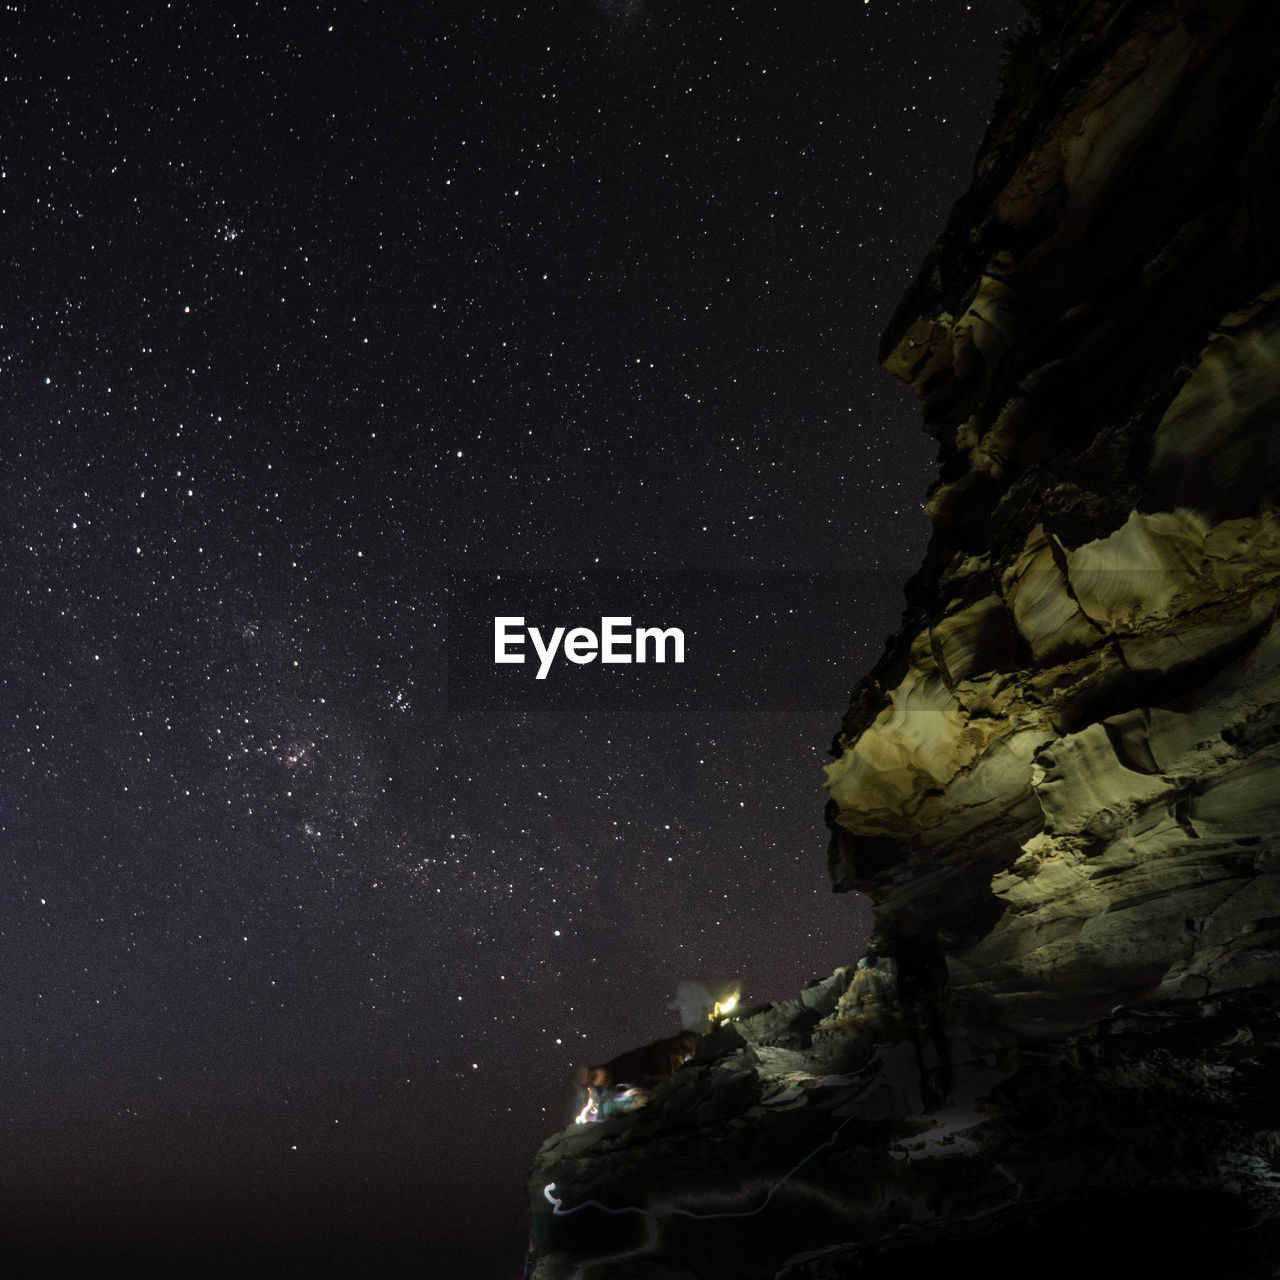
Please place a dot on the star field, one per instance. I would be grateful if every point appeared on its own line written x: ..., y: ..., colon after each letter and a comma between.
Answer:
x: 327, y: 331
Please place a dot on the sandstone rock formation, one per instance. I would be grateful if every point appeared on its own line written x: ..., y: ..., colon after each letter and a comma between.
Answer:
x: 1060, y: 787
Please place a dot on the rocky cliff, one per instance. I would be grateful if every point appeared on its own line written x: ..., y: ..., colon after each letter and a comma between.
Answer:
x: 1060, y: 787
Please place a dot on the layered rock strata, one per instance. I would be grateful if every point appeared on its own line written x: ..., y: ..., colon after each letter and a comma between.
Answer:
x: 1060, y: 787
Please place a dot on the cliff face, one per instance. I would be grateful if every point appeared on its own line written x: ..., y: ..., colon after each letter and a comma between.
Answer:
x: 1061, y: 785
x: 1062, y: 774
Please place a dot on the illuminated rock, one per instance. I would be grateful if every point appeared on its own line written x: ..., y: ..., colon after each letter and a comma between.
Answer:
x: 1060, y: 787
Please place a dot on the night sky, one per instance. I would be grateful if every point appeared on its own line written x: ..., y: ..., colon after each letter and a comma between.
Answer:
x: 328, y: 333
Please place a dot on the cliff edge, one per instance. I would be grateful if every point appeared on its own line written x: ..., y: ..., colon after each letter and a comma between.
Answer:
x: 1060, y: 787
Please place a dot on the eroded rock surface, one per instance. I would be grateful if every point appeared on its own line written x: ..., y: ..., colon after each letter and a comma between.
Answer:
x: 1060, y: 787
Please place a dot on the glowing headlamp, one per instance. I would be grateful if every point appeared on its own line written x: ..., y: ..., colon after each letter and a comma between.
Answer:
x: 723, y: 1008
